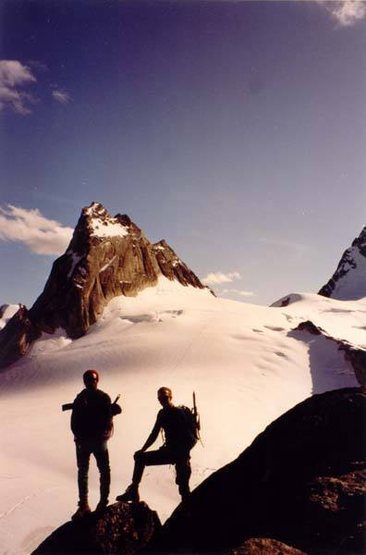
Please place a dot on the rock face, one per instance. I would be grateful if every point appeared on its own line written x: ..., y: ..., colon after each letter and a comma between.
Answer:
x: 349, y: 280
x: 107, y: 256
x: 301, y: 482
x: 17, y: 336
x: 122, y: 528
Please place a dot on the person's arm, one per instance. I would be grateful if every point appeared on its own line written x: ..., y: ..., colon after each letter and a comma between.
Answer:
x: 75, y: 416
x: 154, y: 434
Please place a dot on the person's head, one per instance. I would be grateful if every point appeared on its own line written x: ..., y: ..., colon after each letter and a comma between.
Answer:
x: 91, y: 378
x: 165, y: 396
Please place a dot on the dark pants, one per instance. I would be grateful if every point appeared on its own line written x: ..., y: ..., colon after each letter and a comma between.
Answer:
x: 164, y: 455
x: 100, y: 451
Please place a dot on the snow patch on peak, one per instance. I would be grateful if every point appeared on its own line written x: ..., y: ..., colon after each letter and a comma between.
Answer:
x: 95, y: 209
x: 102, y: 224
x: 110, y: 227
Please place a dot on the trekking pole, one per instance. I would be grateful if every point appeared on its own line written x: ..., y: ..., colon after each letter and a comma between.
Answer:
x: 197, y: 419
x: 116, y: 399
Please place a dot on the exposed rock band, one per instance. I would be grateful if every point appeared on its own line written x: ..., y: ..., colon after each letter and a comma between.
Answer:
x: 92, y: 426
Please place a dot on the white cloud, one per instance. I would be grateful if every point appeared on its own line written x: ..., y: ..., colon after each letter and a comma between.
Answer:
x: 238, y: 292
x: 39, y: 234
x: 14, y: 76
x: 214, y: 278
x: 62, y: 97
x: 345, y: 12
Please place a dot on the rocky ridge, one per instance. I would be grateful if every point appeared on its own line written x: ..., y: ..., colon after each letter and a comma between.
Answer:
x: 107, y: 257
x: 349, y: 280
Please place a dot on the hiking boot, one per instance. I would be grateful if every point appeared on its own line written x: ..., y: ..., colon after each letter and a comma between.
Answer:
x: 83, y: 510
x: 131, y: 494
x: 103, y: 504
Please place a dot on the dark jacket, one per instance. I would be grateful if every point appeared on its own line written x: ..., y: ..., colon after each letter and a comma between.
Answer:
x: 92, y: 415
x: 178, y: 431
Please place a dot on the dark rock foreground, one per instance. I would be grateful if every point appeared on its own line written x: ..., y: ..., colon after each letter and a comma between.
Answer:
x: 122, y: 528
x: 265, y: 546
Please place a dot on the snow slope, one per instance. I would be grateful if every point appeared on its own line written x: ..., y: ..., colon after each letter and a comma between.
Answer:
x: 245, y: 363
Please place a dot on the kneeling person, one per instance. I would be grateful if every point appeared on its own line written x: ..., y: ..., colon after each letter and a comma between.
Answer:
x: 179, y: 440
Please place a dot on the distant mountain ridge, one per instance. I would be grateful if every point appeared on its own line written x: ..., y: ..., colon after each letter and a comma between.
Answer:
x: 107, y: 257
x: 349, y: 280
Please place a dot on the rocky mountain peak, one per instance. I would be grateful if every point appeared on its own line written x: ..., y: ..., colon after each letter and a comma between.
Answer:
x: 107, y: 256
x: 349, y: 280
x: 361, y: 239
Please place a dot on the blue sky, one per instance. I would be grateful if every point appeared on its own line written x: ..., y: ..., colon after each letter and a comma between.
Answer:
x: 234, y: 130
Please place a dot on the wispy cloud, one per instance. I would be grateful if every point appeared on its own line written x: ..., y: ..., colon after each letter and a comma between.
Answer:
x: 239, y: 292
x: 62, y: 97
x: 215, y: 278
x: 39, y: 234
x: 345, y: 12
x: 280, y: 243
x: 14, y: 76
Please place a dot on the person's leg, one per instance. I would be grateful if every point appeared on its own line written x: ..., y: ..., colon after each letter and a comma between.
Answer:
x: 82, y: 460
x: 142, y: 459
x: 102, y: 458
x: 184, y: 471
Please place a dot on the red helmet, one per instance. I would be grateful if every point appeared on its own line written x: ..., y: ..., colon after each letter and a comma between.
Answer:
x: 91, y: 376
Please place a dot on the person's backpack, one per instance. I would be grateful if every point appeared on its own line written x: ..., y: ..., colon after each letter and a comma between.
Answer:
x: 191, y: 425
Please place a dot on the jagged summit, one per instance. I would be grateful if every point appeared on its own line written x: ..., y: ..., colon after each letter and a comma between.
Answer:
x: 349, y: 280
x: 107, y: 256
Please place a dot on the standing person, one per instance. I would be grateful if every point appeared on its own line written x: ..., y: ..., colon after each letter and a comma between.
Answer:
x: 180, y: 437
x: 92, y: 426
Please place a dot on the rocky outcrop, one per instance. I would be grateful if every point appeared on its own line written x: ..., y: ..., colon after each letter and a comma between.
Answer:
x: 356, y: 356
x: 17, y: 337
x: 265, y: 546
x: 123, y: 528
x: 301, y: 482
x: 172, y: 267
x: 349, y: 280
x: 107, y: 257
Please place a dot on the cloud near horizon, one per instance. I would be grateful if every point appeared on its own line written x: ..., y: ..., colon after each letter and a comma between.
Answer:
x: 345, y: 12
x: 238, y: 292
x: 39, y: 234
x: 215, y: 278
